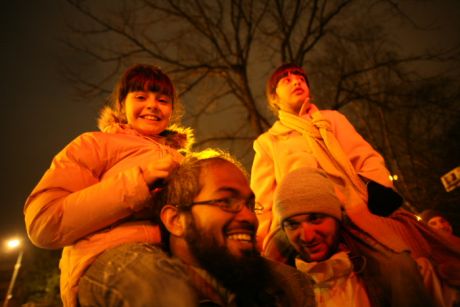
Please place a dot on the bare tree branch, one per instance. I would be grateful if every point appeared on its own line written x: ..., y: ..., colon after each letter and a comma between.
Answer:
x: 220, y: 52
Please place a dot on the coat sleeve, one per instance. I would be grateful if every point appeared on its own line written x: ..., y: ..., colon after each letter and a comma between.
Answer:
x: 71, y: 201
x: 263, y: 184
x: 367, y: 162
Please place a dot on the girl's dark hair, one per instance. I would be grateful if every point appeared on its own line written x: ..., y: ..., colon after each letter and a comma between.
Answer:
x: 143, y: 77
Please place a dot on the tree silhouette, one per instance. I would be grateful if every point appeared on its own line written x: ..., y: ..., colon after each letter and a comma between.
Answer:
x: 220, y: 52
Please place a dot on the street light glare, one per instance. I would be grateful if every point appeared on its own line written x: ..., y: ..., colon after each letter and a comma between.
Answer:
x: 13, y: 243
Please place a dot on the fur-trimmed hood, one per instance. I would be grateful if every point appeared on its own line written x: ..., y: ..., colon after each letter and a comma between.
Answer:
x: 177, y: 137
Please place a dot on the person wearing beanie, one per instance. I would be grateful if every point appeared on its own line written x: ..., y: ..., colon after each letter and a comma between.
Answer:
x: 306, y: 195
x: 449, y: 271
x: 348, y: 267
x: 208, y: 220
x: 437, y: 221
x: 306, y: 136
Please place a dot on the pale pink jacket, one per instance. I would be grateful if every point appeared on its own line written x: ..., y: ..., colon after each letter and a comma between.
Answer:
x: 94, y: 197
x: 281, y: 150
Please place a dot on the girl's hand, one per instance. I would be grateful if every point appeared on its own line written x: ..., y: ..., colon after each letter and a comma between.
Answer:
x: 155, y: 172
x: 305, y: 107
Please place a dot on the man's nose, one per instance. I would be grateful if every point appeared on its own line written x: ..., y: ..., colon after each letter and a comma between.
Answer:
x: 307, y: 232
x: 246, y: 214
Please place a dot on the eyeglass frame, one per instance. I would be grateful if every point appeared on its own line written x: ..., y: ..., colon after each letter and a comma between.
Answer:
x: 218, y: 202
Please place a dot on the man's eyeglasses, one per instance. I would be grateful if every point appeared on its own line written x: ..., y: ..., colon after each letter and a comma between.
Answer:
x: 231, y: 204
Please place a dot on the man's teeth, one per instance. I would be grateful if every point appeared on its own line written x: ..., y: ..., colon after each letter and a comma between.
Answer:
x: 240, y: 237
x: 309, y: 246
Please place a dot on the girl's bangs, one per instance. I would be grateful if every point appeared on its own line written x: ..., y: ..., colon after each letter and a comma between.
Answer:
x: 158, y: 85
x: 284, y: 73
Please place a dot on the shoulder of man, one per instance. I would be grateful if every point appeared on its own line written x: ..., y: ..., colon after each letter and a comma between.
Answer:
x: 296, y: 287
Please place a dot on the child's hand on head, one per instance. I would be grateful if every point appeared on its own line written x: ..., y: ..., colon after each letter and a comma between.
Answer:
x: 305, y: 107
x: 156, y: 171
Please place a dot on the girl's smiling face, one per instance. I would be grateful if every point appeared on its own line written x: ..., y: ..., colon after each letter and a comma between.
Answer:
x: 147, y: 112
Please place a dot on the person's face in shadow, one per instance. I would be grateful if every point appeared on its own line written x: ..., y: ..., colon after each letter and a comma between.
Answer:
x: 314, y: 236
x: 439, y: 223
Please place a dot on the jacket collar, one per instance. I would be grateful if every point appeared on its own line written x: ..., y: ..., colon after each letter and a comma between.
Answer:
x: 175, y: 136
x: 279, y: 129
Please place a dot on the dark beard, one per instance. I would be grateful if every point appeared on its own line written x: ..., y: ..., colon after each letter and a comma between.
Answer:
x: 248, y: 276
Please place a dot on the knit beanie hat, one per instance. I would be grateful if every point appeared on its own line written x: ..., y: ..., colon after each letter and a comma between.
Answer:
x: 306, y: 190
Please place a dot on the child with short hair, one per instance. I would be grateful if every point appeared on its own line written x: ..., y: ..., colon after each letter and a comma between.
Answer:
x: 305, y: 136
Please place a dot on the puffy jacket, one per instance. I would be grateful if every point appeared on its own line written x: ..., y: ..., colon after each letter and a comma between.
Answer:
x: 94, y: 197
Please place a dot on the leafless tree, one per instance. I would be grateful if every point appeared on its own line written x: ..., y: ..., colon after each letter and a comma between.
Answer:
x: 220, y: 52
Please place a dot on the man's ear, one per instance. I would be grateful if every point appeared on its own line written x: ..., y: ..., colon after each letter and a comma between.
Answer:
x: 275, y: 100
x: 173, y: 220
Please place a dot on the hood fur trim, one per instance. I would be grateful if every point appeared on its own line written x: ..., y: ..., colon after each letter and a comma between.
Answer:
x: 177, y: 137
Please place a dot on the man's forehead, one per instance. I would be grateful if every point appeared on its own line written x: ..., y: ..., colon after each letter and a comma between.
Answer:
x: 436, y: 219
x: 224, y: 176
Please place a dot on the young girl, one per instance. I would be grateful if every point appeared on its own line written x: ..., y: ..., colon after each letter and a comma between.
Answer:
x: 304, y: 136
x: 98, y: 192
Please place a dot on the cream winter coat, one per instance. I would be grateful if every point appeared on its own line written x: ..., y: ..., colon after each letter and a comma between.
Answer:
x: 281, y: 150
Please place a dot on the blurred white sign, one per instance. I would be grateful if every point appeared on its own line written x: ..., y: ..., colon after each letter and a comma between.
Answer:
x: 451, y: 180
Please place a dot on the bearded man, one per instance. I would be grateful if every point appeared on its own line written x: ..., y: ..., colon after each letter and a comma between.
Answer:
x: 209, y: 223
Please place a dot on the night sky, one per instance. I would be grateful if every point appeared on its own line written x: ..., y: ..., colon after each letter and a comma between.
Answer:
x: 40, y: 114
